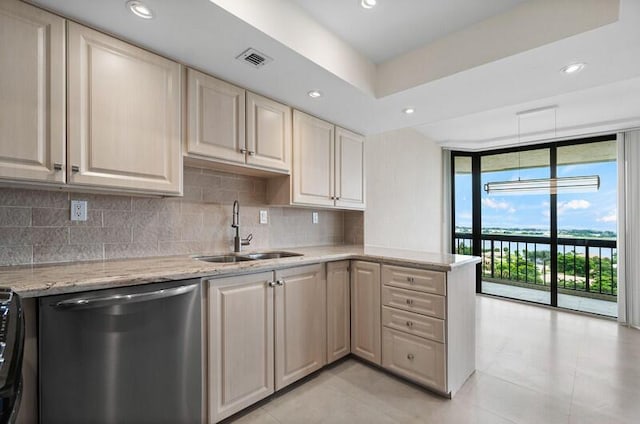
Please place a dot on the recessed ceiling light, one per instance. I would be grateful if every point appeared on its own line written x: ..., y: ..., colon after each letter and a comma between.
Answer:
x: 408, y: 110
x: 140, y: 9
x: 368, y: 4
x: 573, y: 68
x: 314, y: 94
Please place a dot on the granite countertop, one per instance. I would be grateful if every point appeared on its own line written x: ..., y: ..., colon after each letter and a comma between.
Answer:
x: 44, y: 280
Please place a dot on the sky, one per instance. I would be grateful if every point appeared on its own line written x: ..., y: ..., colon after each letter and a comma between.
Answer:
x: 591, y: 210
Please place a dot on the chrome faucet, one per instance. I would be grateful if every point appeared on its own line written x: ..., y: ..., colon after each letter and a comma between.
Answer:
x: 235, y: 223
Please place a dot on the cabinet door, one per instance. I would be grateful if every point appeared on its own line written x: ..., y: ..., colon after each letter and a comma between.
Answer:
x: 32, y: 98
x: 365, y: 311
x: 216, y: 114
x: 240, y: 343
x: 350, y: 179
x: 338, y: 310
x: 300, y: 323
x: 313, y: 161
x: 124, y: 115
x: 268, y: 133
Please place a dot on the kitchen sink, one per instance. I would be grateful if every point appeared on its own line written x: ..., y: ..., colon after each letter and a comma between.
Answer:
x: 223, y: 258
x: 246, y: 257
x: 270, y: 255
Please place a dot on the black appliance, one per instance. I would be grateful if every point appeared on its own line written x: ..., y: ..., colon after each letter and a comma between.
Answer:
x: 11, y: 353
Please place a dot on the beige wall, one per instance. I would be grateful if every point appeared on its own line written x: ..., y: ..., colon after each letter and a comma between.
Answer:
x: 404, y: 192
x: 35, y: 226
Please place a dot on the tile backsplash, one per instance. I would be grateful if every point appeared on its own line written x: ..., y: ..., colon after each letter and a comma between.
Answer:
x: 35, y: 226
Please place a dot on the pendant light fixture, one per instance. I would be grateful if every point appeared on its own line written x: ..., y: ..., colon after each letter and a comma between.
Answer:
x: 556, y: 185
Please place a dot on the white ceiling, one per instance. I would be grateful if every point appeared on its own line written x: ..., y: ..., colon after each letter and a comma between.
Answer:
x: 469, y: 104
x: 394, y: 27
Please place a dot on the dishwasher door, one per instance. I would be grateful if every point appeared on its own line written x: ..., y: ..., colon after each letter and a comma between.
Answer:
x: 127, y: 355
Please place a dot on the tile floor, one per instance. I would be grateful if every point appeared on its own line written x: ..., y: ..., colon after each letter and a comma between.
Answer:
x: 577, y: 303
x: 534, y: 365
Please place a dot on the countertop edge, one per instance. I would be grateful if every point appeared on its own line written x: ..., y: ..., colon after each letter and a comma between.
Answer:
x: 209, y: 270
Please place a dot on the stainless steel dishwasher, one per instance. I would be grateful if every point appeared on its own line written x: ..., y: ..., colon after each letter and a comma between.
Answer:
x: 126, y: 355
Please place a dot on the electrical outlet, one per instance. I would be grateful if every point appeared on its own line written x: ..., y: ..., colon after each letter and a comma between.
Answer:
x: 78, y: 210
x: 314, y: 217
x: 264, y: 219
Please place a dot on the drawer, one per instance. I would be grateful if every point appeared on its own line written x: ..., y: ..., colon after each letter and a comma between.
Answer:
x: 416, y: 324
x: 415, y: 279
x: 413, y: 301
x: 418, y: 359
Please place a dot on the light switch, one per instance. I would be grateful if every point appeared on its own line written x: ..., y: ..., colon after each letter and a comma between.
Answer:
x: 314, y: 217
x: 264, y: 218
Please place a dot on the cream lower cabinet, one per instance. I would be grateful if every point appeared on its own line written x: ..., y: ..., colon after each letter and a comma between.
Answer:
x: 32, y: 97
x: 124, y: 122
x: 365, y: 311
x: 338, y: 310
x: 300, y: 311
x: 428, y: 325
x: 266, y: 331
x: 241, y: 348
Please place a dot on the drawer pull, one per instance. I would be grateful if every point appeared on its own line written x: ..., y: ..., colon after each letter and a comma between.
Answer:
x: 411, y: 280
x: 409, y: 324
x: 410, y: 356
x: 409, y: 301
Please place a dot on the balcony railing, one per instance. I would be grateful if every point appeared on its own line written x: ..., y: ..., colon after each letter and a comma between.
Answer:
x: 588, y: 266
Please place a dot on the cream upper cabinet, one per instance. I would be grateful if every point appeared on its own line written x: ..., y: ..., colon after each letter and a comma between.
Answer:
x: 313, y: 160
x: 124, y: 108
x: 328, y: 167
x: 268, y: 133
x: 241, y: 337
x: 365, y: 311
x: 32, y: 97
x: 233, y: 129
x: 300, y: 307
x: 216, y: 116
x: 338, y: 310
x: 350, y: 171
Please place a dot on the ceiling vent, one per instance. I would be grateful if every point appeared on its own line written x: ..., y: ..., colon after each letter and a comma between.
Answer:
x: 254, y: 58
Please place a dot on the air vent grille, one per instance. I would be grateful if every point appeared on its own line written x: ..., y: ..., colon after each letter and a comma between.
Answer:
x: 254, y: 58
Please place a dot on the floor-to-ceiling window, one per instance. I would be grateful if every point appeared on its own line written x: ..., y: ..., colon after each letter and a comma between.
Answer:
x: 539, y: 246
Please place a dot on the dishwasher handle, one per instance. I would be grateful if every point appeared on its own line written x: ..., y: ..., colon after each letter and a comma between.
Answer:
x: 121, y: 299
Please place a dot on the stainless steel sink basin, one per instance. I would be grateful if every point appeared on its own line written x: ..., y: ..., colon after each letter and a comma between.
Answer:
x: 270, y: 255
x: 223, y: 258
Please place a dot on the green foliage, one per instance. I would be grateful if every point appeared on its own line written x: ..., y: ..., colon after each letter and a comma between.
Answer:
x: 572, y: 269
x: 512, y: 266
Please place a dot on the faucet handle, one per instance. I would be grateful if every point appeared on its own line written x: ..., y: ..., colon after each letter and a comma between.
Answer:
x: 247, y: 241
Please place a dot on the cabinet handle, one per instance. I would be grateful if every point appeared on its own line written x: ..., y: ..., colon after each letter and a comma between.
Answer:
x: 243, y: 150
x: 410, y: 356
x: 337, y: 198
x: 280, y: 282
x: 333, y: 197
x: 251, y: 152
x: 271, y: 283
x: 75, y: 168
x: 57, y: 166
x: 409, y: 301
x: 409, y: 324
x: 411, y: 280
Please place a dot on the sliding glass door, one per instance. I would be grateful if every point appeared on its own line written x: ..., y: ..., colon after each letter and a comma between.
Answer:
x: 516, y: 228
x: 539, y: 246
